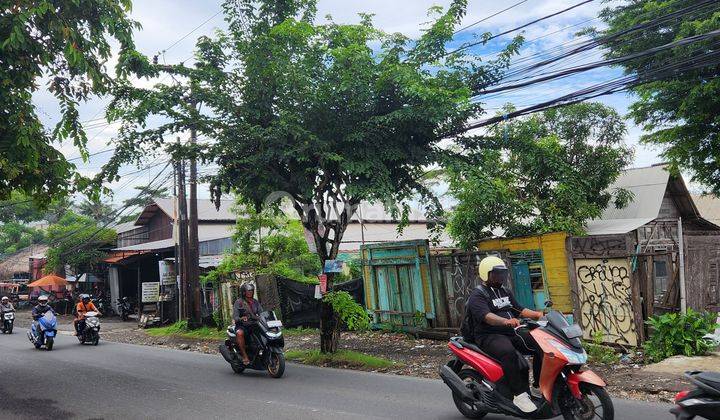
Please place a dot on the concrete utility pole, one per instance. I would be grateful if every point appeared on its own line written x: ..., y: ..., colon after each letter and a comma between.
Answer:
x: 681, y: 268
x: 193, y: 241
x: 183, y: 242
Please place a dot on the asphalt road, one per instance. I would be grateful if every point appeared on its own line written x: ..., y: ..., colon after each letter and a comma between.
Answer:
x: 121, y: 381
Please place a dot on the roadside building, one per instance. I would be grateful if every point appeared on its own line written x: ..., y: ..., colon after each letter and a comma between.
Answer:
x: 709, y: 207
x: 24, y: 265
x: 634, y: 260
x: 146, y: 251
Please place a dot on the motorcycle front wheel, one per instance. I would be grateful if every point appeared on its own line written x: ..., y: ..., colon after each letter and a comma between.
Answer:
x: 96, y: 340
x: 276, y: 365
x: 49, y: 341
x: 595, y: 404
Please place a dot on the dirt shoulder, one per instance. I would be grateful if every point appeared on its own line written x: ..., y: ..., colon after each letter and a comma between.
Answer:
x: 423, y: 357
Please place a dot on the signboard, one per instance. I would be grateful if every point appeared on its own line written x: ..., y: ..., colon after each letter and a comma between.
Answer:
x: 334, y: 266
x: 167, y: 272
x: 150, y: 291
x: 323, y: 283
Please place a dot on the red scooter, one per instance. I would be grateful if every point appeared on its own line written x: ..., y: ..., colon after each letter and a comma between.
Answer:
x: 566, y: 389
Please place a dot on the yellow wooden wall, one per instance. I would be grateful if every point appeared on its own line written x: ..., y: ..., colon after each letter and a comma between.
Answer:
x: 554, y: 260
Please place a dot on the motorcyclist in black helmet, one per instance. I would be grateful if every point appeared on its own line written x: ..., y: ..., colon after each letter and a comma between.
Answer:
x: 245, y: 314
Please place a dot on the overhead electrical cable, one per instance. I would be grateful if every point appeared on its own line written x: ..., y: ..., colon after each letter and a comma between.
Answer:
x: 485, y: 40
x: 489, y: 17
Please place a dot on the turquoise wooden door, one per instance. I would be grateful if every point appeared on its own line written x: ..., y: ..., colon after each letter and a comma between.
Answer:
x: 521, y: 284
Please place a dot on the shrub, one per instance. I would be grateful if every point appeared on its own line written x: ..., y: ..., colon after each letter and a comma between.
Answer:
x: 599, y: 353
x: 677, y: 334
x: 350, y: 312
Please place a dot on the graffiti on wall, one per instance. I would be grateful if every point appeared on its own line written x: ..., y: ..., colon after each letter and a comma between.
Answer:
x: 598, y: 244
x: 605, y: 297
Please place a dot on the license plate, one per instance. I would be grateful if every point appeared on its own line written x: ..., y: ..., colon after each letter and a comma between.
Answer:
x: 274, y: 324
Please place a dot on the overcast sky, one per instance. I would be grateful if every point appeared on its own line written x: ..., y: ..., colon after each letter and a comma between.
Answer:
x: 165, y: 22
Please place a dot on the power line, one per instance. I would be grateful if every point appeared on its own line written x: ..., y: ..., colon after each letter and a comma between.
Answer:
x: 490, y: 17
x: 619, y: 60
x: 189, y: 33
x: 485, y: 40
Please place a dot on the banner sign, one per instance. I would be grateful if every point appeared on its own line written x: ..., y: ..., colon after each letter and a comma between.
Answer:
x: 167, y: 272
x: 150, y: 291
x: 334, y: 266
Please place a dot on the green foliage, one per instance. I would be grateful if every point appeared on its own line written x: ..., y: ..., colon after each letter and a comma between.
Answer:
x: 16, y: 236
x: 20, y: 207
x: 344, y: 358
x: 77, y: 241
x: 145, y: 196
x: 677, y: 334
x: 97, y: 210
x: 268, y: 243
x: 599, y: 353
x: 350, y: 312
x: 69, y: 42
x: 300, y: 332
x: 679, y: 113
x: 544, y: 173
x: 181, y: 329
x: 330, y: 115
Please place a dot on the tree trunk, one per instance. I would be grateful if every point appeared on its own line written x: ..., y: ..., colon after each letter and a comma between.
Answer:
x: 329, y: 329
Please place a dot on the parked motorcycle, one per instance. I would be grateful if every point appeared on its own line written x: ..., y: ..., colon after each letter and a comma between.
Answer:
x: 8, y: 321
x: 43, y: 332
x: 90, y: 332
x: 703, y: 401
x: 566, y: 389
x: 124, y: 308
x: 264, y: 347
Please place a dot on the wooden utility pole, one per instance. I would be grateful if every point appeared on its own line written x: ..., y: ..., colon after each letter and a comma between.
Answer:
x: 183, y: 242
x: 193, y: 242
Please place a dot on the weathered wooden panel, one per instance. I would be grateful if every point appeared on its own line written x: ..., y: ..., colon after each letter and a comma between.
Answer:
x: 554, y: 260
x: 702, y: 272
x: 605, y: 297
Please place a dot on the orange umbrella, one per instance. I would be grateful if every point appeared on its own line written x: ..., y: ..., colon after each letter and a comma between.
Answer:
x: 49, y: 280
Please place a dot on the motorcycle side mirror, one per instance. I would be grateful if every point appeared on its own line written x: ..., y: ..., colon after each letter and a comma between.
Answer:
x: 548, y: 303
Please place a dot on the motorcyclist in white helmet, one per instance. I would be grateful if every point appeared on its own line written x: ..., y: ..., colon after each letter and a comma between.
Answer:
x: 493, y: 314
x: 5, y: 305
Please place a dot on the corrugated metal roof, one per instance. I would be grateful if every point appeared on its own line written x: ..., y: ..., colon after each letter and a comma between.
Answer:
x: 709, y: 207
x: 648, y: 186
x: 205, y: 233
x: 206, y: 209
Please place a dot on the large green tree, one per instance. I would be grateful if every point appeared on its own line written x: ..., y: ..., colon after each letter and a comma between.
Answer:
x: 78, y: 242
x: 65, y: 45
x: 681, y: 112
x: 15, y: 236
x: 544, y: 173
x: 327, y: 115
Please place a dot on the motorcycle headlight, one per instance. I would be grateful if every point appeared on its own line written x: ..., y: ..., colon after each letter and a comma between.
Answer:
x: 573, y: 357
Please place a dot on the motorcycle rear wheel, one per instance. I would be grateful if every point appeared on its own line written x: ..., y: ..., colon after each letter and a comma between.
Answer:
x: 594, y: 398
x: 467, y: 410
x: 237, y: 367
x: 49, y: 341
x: 276, y: 365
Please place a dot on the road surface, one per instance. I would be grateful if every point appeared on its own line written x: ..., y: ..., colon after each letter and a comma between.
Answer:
x: 122, y: 381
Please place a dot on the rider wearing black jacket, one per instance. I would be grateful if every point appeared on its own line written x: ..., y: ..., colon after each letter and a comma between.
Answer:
x: 245, y: 313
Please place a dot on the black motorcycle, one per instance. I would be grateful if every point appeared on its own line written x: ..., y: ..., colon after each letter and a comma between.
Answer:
x: 8, y: 321
x: 703, y: 401
x: 264, y: 347
x: 124, y: 308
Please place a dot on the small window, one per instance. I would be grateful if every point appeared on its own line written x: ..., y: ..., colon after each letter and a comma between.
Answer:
x: 660, y: 275
x: 536, y: 278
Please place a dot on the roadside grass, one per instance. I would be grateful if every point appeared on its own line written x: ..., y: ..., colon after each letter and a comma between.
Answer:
x: 340, y: 358
x: 180, y: 329
x: 300, y: 331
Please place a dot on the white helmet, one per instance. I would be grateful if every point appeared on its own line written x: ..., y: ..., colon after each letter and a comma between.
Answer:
x: 43, y: 299
x: 487, y: 264
x: 5, y: 299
